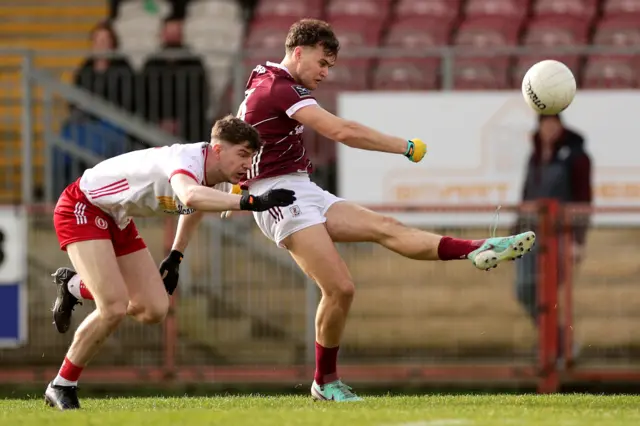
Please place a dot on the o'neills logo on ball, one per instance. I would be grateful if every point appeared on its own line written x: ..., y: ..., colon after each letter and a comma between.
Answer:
x: 532, y: 95
x: 101, y: 223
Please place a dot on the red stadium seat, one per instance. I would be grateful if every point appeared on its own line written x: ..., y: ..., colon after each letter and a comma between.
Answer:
x: 268, y: 33
x: 355, y: 33
x: 481, y: 74
x: 348, y: 74
x: 488, y: 31
x: 358, y: 9
x: 525, y: 62
x: 412, y: 34
x: 417, y: 33
x: 290, y: 9
x: 611, y: 72
x: 618, y: 31
x: 265, y: 42
x: 613, y: 8
x: 406, y: 74
x: 556, y: 31
x: 585, y: 9
x: 444, y: 10
x: 503, y: 8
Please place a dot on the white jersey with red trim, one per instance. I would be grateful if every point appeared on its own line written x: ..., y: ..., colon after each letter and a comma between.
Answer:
x: 137, y: 184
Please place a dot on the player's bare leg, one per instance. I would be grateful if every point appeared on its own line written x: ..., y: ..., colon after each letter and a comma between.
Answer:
x: 349, y: 222
x: 96, y: 262
x: 322, y: 262
x: 148, y: 299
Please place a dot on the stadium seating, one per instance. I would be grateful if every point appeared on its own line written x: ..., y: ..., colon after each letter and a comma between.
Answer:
x: 621, y: 8
x: 43, y: 26
x: 413, y: 24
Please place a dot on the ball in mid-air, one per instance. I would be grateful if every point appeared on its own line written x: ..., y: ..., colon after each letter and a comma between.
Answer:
x: 549, y: 87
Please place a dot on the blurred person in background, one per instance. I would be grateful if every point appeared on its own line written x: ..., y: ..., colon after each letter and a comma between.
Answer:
x: 174, y: 89
x: 110, y: 77
x: 559, y: 168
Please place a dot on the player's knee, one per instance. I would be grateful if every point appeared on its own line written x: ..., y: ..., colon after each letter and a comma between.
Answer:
x: 343, y: 290
x: 155, y: 314
x: 113, y: 313
x: 151, y: 313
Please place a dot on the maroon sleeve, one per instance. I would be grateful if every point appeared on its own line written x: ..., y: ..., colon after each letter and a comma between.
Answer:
x: 289, y: 97
x: 582, y: 193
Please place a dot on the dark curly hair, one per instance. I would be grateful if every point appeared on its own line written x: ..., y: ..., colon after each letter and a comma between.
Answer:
x: 310, y: 33
x: 235, y: 131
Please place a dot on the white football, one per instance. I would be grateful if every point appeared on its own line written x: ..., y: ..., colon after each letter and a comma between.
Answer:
x: 549, y: 87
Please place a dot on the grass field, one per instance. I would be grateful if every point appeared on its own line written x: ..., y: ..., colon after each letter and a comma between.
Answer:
x: 472, y: 410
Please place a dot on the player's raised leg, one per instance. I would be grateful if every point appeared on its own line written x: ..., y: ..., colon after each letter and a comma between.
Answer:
x: 96, y: 262
x: 349, y: 222
x: 322, y: 262
x: 148, y: 303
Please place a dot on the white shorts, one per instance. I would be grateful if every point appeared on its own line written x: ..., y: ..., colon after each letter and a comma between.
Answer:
x: 312, y: 203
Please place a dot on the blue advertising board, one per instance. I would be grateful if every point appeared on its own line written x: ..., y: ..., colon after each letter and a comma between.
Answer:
x: 13, y: 277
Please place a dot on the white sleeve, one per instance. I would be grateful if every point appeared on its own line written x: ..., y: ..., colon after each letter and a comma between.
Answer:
x: 186, y: 163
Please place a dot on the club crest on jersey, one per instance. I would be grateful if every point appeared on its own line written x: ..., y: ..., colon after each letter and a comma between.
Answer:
x: 295, y: 210
x: 301, y: 91
x: 297, y: 131
x: 171, y: 206
x: 101, y: 223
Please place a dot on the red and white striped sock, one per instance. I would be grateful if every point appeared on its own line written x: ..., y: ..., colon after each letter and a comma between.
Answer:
x: 78, y: 289
x: 68, y: 375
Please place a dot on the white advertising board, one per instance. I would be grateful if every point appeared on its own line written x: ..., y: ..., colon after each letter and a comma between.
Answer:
x: 478, y: 146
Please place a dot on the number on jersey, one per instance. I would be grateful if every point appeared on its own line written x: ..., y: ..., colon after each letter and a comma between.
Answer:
x: 242, y: 111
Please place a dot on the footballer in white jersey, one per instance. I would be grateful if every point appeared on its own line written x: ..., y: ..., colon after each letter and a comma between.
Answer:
x: 137, y: 184
x: 94, y: 225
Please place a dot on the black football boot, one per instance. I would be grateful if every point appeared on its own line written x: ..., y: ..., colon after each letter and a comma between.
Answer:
x: 62, y: 397
x: 65, y: 301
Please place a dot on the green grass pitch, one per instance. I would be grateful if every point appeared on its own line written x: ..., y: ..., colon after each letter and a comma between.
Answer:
x: 445, y: 410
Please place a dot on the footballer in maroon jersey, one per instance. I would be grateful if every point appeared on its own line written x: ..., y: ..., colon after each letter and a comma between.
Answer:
x: 272, y: 96
x: 278, y: 103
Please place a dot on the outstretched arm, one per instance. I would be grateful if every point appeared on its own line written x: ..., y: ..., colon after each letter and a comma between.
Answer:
x: 187, y: 224
x: 203, y: 198
x: 357, y: 135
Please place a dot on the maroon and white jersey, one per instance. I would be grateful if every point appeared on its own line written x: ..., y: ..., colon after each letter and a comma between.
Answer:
x: 272, y: 96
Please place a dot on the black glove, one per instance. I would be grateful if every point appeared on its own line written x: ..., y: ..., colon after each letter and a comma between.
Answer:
x: 271, y: 198
x: 169, y: 270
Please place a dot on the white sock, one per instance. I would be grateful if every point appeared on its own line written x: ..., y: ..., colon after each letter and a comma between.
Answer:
x: 60, y: 381
x: 74, y: 288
